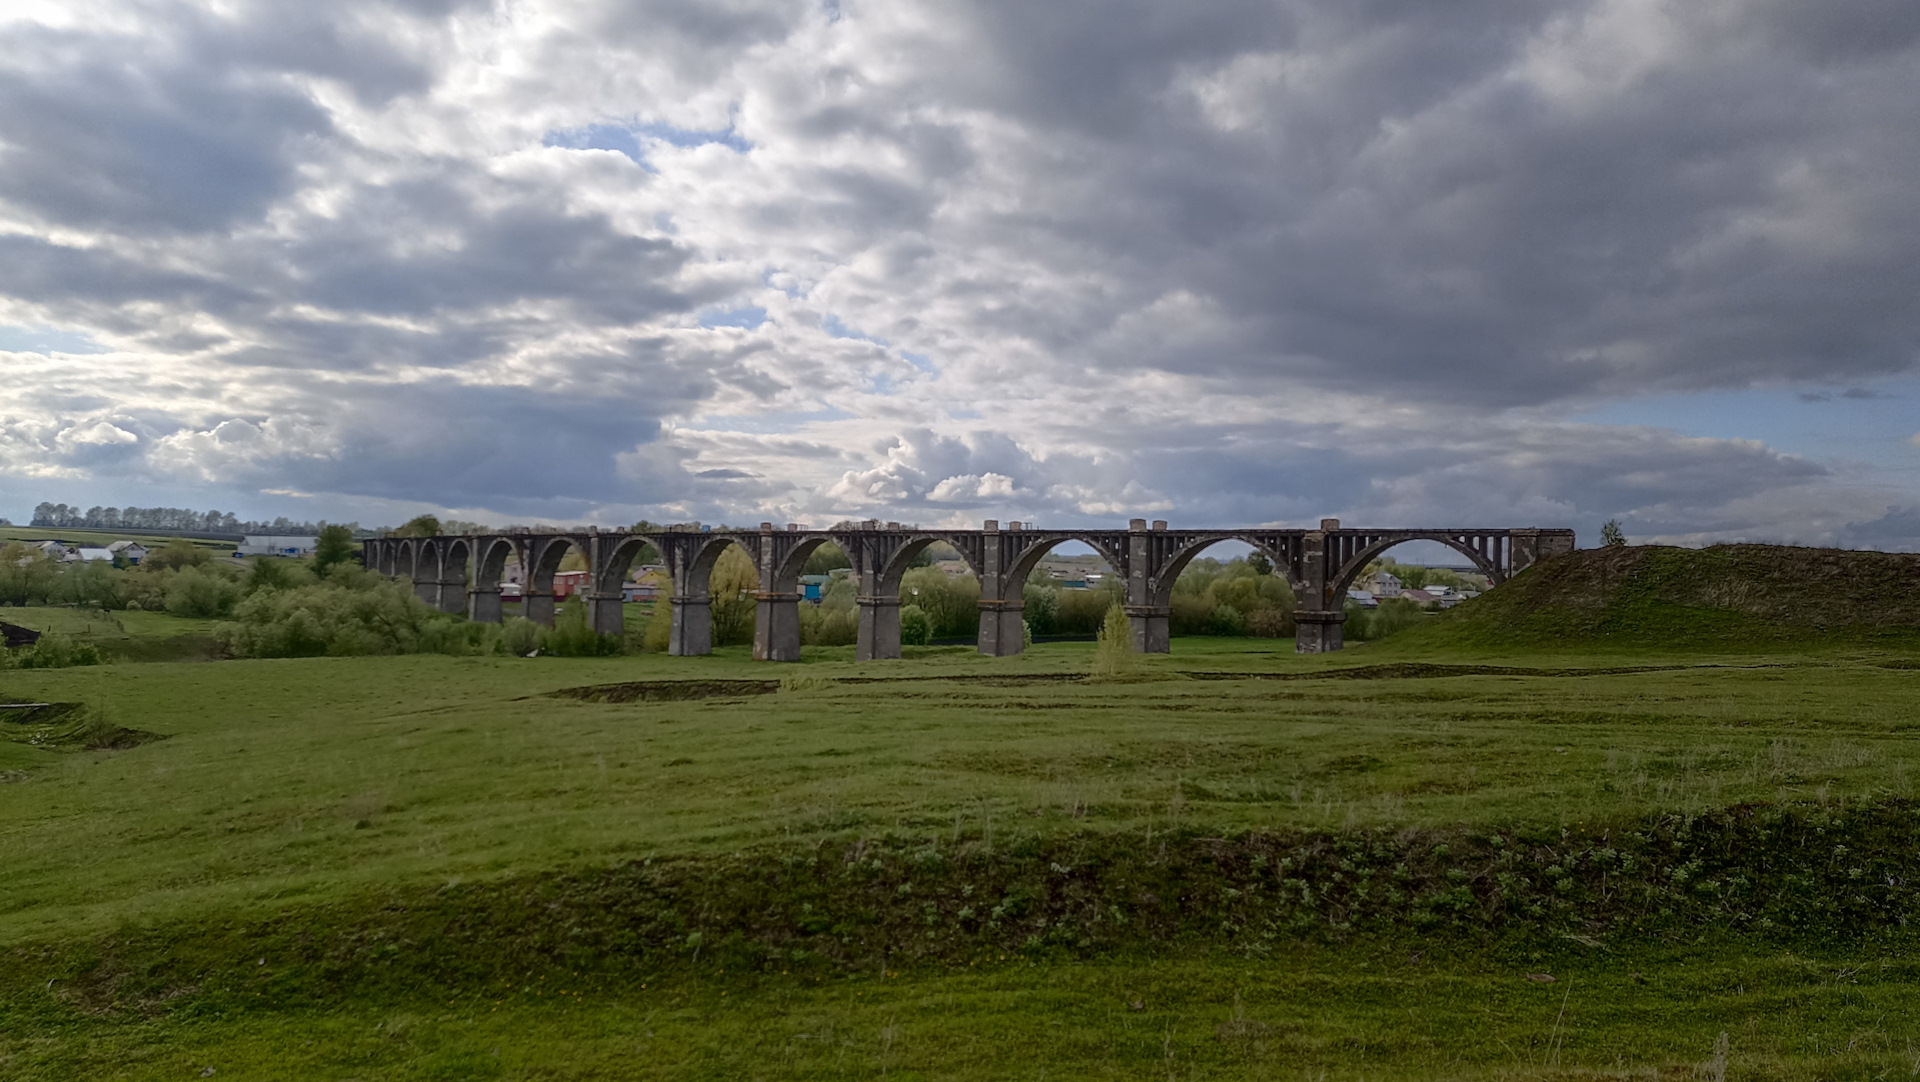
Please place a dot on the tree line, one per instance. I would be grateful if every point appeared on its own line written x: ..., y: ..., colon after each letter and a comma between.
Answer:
x: 49, y: 515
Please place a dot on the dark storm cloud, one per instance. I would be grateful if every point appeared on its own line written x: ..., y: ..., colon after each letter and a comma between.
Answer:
x: 522, y: 251
x: 97, y: 134
x: 1404, y: 193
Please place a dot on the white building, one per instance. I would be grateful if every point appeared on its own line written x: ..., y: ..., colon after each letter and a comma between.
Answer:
x: 273, y: 545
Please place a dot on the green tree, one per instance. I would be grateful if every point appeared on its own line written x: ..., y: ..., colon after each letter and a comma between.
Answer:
x: 916, y: 627
x: 176, y: 554
x: 732, y: 584
x: 1611, y: 535
x: 26, y: 574
x: 419, y: 526
x: 332, y: 548
x: 1258, y: 563
x: 827, y: 558
x: 1115, y: 654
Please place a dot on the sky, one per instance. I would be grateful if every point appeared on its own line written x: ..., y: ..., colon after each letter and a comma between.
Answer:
x: 1485, y: 263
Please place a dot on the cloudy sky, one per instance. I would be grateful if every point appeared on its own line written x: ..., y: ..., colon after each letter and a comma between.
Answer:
x: 1500, y: 262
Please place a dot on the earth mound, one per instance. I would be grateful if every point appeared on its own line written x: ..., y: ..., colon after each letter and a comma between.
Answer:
x: 1726, y: 595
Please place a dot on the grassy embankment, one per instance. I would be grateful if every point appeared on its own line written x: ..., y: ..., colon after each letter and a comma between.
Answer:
x: 1265, y: 864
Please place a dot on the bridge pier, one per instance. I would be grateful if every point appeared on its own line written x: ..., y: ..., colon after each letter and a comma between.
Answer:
x: 692, y: 629
x: 1318, y: 631
x: 1003, y: 628
x: 879, y: 628
x: 776, y: 627
x: 537, y: 605
x: 483, y: 606
x: 1152, y: 628
x: 452, y: 596
x: 605, y: 614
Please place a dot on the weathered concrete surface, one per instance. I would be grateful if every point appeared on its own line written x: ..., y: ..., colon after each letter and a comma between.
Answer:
x: 1320, y: 565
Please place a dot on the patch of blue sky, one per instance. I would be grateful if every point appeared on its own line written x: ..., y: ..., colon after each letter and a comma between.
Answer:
x: 747, y: 318
x: 47, y: 340
x: 837, y: 329
x: 1869, y: 422
x: 919, y: 360
x: 627, y: 139
x: 763, y: 424
x: 766, y: 279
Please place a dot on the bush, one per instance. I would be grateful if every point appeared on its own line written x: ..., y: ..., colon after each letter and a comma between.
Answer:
x: 916, y: 627
x: 1270, y: 623
x: 1081, y: 612
x: 274, y: 573
x: 573, y: 636
x: 1042, y: 608
x: 521, y: 637
x: 951, y: 602
x: 827, y: 624
x: 327, y: 619
x: 202, y: 593
x: 1395, y: 614
x: 53, y: 651
x: 657, y: 637
x: 1226, y: 620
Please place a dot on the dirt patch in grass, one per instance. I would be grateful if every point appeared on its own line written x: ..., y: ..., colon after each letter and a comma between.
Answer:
x: 68, y: 727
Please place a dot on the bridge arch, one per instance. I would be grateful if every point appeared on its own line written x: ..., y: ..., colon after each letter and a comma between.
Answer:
x: 490, y: 562
x: 887, y: 583
x: 1169, y: 576
x: 1343, y: 579
x: 785, y: 577
x: 610, y: 577
x: 403, y: 559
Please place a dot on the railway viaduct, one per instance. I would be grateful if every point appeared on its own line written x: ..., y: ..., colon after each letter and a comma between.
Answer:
x: 464, y: 573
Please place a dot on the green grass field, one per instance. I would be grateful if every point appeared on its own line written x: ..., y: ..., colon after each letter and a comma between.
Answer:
x: 1245, y: 864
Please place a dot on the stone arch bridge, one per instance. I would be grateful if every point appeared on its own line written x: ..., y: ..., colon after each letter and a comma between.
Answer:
x: 464, y: 573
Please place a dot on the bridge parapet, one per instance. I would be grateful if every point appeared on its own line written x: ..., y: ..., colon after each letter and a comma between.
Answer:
x: 464, y: 573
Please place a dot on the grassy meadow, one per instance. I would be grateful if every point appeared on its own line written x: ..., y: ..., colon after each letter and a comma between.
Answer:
x: 1409, y: 859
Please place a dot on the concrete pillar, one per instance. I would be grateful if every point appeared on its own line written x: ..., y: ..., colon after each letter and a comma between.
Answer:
x: 1317, y: 623
x: 1001, y: 615
x: 606, y: 615
x: 692, y: 632
x: 536, y: 606
x: 1152, y: 628
x: 1318, y: 631
x: 483, y: 606
x: 1002, y: 627
x: 879, y: 628
x: 776, y: 627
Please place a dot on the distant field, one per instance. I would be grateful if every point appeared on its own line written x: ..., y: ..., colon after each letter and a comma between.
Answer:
x: 71, y: 535
x: 123, y: 634
x: 219, y: 897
